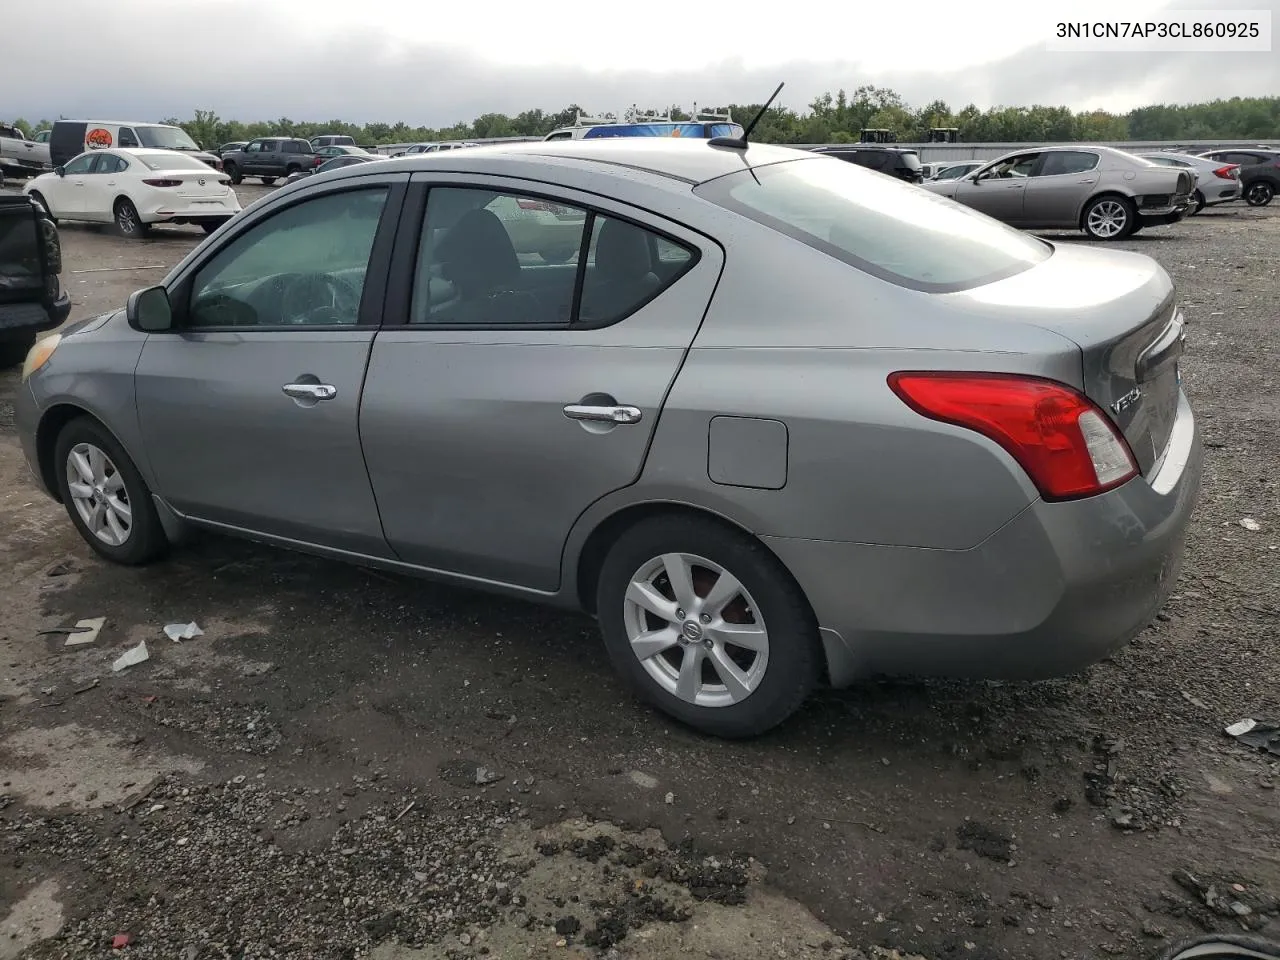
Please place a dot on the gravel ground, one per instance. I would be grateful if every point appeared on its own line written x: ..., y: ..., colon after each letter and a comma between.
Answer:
x: 349, y: 764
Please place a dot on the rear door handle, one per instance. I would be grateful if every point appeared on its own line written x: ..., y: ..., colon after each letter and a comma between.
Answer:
x: 310, y: 391
x: 603, y: 414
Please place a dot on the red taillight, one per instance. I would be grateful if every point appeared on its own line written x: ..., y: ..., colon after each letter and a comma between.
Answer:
x: 1064, y: 442
x: 319, y: 160
x: 1229, y: 172
x: 163, y: 183
x: 526, y: 204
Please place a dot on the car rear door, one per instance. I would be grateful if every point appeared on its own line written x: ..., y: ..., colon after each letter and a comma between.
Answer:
x: 490, y: 419
x: 249, y: 408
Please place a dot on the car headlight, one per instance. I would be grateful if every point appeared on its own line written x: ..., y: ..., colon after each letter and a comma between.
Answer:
x: 39, y: 354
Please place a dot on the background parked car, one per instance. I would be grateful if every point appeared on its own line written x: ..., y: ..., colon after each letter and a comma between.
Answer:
x: 1107, y: 193
x: 231, y: 147
x: 70, y: 138
x: 895, y: 161
x: 1259, y: 172
x: 953, y: 171
x: 332, y: 163
x: 134, y: 189
x: 269, y: 159
x: 1216, y: 182
x: 22, y: 156
x: 332, y: 140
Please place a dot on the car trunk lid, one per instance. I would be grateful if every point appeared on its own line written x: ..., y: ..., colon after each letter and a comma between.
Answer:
x: 1120, y: 309
x: 196, y: 185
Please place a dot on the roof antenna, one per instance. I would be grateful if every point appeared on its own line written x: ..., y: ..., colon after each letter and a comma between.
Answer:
x: 740, y: 143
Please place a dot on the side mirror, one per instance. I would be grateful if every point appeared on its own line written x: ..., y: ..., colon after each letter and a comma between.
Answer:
x: 149, y: 310
x: 60, y: 170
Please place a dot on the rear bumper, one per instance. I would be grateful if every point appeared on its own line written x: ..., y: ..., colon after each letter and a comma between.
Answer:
x: 1059, y: 587
x: 18, y: 319
x: 188, y: 212
x: 1223, y: 194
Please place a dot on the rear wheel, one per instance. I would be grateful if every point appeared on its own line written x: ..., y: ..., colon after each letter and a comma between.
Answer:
x: 1109, y: 218
x: 232, y: 171
x: 1259, y: 194
x: 268, y: 181
x: 1199, y: 203
x: 38, y: 197
x: 128, y: 223
x: 209, y: 226
x: 703, y: 622
x: 292, y: 169
x: 105, y: 496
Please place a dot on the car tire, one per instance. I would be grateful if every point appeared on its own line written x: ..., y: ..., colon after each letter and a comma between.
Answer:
x: 211, y: 226
x: 38, y: 197
x: 1259, y: 194
x: 128, y: 224
x: 1109, y: 217
x: 14, y: 349
x: 292, y: 168
x: 1198, y: 197
x: 268, y: 181
x: 770, y: 680
x: 233, y: 172
x: 106, y: 479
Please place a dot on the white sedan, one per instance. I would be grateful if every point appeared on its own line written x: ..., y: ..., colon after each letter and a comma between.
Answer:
x: 134, y: 189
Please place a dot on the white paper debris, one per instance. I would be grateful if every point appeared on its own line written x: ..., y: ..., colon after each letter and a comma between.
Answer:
x: 86, y: 631
x: 132, y: 657
x: 1241, y: 728
x: 1251, y: 524
x: 177, y: 632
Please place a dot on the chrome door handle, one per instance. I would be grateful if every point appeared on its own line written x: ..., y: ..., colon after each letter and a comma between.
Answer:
x: 1087, y: 180
x: 615, y: 414
x: 310, y: 391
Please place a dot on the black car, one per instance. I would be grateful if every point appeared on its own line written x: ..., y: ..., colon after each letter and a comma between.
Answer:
x: 31, y: 296
x: 1259, y: 172
x: 333, y: 163
x: 895, y: 161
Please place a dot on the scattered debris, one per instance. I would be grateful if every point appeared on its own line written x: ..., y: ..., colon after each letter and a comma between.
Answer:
x: 1194, y: 701
x: 61, y: 569
x: 485, y: 776
x: 401, y: 814
x: 1250, y: 524
x: 120, y: 941
x: 86, y: 631
x: 669, y: 798
x: 86, y: 688
x: 177, y: 632
x: 1256, y: 734
x: 132, y: 657
x: 985, y: 840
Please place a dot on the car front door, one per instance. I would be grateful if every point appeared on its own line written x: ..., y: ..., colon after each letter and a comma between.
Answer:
x: 101, y: 187
x: 506, y: 394
x: 249, y: 407
x: 65, y: 194
x: 999, y: 190
x: 1059, y: 186
x: 253, y: 156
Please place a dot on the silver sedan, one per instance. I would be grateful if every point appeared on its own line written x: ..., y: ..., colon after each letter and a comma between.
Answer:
x: 779, y: 422
x: 1107, y: 193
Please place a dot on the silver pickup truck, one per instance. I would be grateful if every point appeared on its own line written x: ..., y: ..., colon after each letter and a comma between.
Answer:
x: 21, y: 156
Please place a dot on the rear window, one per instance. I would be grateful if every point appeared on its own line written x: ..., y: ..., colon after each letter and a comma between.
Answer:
x: 910, y: 160
x: 889, y: 229
x: 171, y: 161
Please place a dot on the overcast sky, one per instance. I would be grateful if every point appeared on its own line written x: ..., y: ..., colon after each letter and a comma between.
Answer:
x: 438, y: 63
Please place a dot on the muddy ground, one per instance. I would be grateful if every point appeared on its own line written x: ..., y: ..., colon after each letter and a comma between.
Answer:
x: 346, y: 762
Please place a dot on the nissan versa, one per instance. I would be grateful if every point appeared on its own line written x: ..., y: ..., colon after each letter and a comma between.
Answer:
x: 779, y: 421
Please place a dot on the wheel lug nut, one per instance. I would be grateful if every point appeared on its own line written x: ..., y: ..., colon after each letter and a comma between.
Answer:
x: 679, y: 614
x: 706, y: 618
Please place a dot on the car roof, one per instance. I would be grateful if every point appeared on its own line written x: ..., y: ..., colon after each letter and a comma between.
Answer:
x: 691, y: 160
x: 120, y: 123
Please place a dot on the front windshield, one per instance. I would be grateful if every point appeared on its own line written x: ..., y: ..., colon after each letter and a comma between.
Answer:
x: 166, y: 138
x: 883, y: 226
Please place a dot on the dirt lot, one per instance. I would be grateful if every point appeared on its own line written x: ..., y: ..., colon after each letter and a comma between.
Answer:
x: 346, y: 764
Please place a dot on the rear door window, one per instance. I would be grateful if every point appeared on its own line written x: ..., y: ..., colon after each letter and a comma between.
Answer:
x: 910, y: 160
x: 891, y: 230
x: 1059, y: 163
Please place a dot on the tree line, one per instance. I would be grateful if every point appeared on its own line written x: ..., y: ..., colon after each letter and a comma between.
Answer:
x: 830, y: 118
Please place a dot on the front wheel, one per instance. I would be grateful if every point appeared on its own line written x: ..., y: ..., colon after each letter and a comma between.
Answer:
x: 1109, y: 218
x: 233, y: 172
x: 105, y: 496
x: 268, y: 181
x: 128, y: 223
x: 703, y: 622
x: 1259, y: 194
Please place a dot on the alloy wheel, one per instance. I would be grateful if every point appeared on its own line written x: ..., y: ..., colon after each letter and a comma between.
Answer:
x: 696, y: 630
x: 1108, y: 219
x: 126, y: 219
x: 98, y: 492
